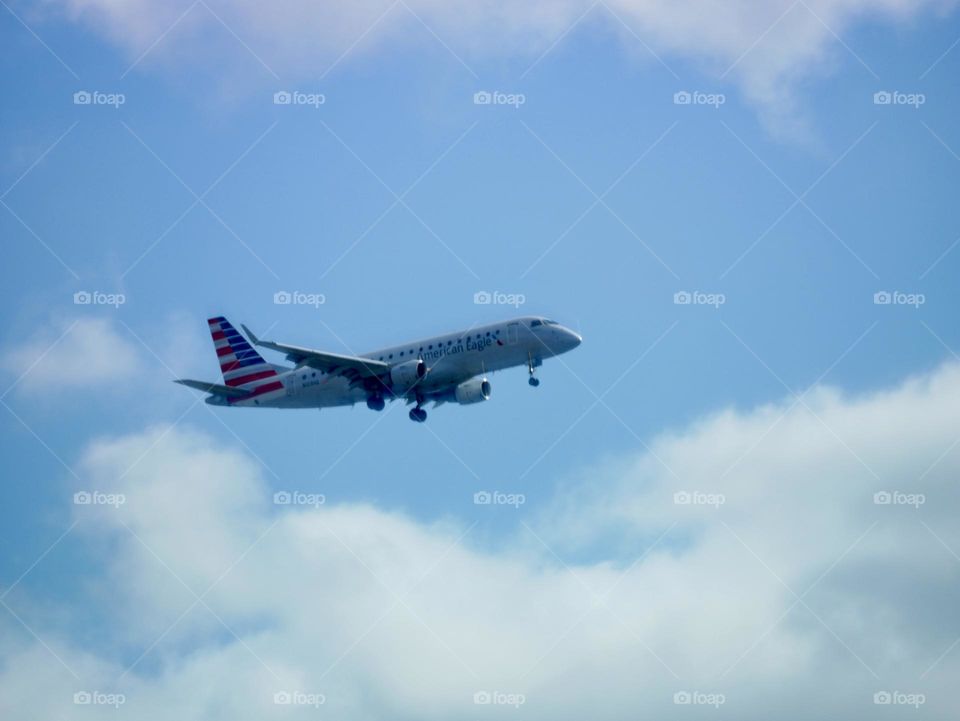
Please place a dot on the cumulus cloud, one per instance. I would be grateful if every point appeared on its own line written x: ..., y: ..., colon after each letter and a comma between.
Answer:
x: 779, y: 583
x: 69, y: 355
x: 765, y: 46
x: 100, y: 353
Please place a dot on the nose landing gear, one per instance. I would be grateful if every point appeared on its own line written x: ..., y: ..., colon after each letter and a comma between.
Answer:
x: 531, y: 365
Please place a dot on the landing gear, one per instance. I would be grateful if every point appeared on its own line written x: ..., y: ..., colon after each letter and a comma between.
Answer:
x: 418, y: 414
x: 531, y: 365
x: 376, y: 403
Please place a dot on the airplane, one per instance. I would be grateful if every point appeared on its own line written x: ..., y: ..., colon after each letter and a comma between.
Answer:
x: 449, y: 368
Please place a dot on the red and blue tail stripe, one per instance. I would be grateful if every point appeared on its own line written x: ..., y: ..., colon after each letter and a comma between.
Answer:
x: 241, y: 365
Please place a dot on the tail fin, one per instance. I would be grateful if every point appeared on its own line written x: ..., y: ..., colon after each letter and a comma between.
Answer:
x: 241, y: 365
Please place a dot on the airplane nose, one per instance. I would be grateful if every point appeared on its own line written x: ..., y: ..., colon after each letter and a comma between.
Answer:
x: 574, y: 339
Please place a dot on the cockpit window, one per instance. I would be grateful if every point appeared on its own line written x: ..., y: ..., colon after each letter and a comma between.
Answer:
x: 535, y: 323
x: 550, y: 322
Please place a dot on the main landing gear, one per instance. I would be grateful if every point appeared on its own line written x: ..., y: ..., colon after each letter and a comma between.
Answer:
x: 531, y: 365
x: 418, y: 414
x: 376, y: 403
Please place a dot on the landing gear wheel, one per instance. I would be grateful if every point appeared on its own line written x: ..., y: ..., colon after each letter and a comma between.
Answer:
x: 375, y: 403
x: 531, y: 365
x: 418, y: 414
x: 534, y: 381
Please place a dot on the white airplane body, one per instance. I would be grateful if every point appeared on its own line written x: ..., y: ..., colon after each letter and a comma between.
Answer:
x: 446, y: 368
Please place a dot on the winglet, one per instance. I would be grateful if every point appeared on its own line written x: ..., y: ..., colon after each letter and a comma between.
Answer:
x: 250, y: 335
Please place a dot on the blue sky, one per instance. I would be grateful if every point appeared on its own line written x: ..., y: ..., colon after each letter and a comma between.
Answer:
x: 597, y: 199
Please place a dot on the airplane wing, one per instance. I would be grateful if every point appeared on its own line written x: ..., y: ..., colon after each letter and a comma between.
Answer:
x: 353, y: 367
x: 214, y: 388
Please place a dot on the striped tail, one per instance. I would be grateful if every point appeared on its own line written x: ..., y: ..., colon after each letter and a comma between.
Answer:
x: 241, y: 365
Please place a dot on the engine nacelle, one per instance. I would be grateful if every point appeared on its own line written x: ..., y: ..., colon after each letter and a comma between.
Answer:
x: 403, y: 376
x: 475, y: 390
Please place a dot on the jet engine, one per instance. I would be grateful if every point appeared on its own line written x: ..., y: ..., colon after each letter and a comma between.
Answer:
x: 474, y: 390
x: 403, y: 376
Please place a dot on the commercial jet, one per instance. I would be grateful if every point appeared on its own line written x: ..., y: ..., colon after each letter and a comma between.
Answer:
x: 450, y: 368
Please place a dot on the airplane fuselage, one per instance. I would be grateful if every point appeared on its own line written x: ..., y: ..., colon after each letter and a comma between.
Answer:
x: 449, y: 359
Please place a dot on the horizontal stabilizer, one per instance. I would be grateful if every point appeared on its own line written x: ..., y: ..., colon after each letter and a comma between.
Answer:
x: 214, y: 388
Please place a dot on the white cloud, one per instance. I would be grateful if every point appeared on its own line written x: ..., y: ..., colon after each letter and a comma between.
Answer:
x: 314, y: 593
x: 99, y: 353
x: 68, y: 355
x: 766, y: 46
